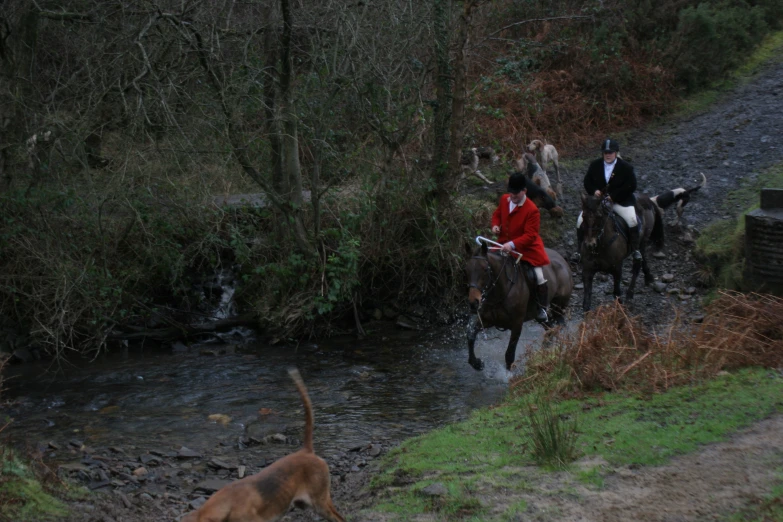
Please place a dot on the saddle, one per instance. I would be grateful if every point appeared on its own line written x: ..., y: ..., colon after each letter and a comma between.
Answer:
x: 622, y: 227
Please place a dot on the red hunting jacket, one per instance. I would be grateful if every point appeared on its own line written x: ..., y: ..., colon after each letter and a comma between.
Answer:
x: 521, y: 226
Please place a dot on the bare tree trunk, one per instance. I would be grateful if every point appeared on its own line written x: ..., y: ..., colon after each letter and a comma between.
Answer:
x: 292, y: 169
x: 443, y: 96
x: 460, y: 91
x: 273, y: 131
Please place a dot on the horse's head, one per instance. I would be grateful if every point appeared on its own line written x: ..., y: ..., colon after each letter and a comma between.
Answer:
x: 594, y: 213
x: 477, y: 274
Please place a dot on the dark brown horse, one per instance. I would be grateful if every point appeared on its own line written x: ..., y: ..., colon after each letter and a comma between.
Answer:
x: 499, y: 294
x: 606, y: 245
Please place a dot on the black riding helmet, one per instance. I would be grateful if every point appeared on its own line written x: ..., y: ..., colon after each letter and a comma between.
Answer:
x: 609, y: 145
x: 516, y: 183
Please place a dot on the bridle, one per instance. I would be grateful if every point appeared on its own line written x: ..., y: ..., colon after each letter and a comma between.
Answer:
x: 487, y: 290
x: 608, y: 213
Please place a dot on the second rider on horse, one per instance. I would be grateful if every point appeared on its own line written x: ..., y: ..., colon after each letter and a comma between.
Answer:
x: 613, y: 178
x: 516, y: 222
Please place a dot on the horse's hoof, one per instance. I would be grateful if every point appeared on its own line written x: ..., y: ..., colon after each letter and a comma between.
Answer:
x: 477, y: 364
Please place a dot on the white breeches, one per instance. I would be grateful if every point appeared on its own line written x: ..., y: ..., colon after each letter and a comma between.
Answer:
x: 627, y: 213
x: 539, y: 270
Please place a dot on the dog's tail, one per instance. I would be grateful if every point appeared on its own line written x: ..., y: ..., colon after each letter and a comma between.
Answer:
x: 666, y: 199
x: 308, y: 434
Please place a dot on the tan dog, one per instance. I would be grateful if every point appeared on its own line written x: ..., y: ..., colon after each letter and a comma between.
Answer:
x: 301, y: 479
x: 538, y: 175
x: 546, y: 153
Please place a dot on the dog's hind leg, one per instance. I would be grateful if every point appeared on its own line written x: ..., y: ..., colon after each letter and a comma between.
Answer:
x: 326, y: 509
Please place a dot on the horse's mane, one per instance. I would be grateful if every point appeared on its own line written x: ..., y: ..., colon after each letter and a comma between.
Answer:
x: 591, y: 203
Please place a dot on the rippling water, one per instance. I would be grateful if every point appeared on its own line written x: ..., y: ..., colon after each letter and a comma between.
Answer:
x: 393, y: 385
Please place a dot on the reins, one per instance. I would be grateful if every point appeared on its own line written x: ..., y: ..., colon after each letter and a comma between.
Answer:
x: 610, y: 213
x: 485, y: 292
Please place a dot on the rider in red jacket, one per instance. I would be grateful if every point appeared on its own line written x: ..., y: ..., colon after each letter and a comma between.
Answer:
x: 516, y: 221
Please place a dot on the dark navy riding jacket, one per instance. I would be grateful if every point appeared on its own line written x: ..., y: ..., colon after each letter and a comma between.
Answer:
x: 621, y: 186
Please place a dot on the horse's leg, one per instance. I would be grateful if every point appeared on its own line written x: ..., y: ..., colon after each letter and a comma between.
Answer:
x: 558, y: 307
x: 617, y: 278
x: 637, y: 265
x: 648, y: 277
x: 587, y: 280
x: 473, y: 327
x: 511, y: 351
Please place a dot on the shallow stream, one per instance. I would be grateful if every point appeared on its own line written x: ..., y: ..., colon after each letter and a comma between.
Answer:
x: 392, y: 385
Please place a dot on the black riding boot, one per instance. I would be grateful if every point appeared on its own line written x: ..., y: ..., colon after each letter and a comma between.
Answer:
x: 542, y: 298
x: 634, y: 238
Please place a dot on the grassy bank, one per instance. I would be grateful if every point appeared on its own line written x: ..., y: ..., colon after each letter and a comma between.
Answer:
x: 720, y: 247
x: 609, y: 395
x: 489, y: 455
x: 29, y: 496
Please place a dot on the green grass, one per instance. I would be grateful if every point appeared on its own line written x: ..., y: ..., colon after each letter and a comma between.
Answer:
x: 24, y: 498
x: 491, y: 451
x: 592, y: 477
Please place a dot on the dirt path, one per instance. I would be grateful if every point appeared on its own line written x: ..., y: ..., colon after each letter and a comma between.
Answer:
x: 731, y: 143
x: 718, y: 481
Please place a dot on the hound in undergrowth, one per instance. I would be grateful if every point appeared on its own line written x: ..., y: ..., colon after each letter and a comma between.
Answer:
x: 470, y: 163
x: 546, y: 153
x: 538, y: 175
x: 680, y: 196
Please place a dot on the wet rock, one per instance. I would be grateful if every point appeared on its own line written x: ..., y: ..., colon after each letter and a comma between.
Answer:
x: 667, y: 278
x: 187, y: 453
x: 690, y: 290
x: 672, y: 290
x: 219, y: 464
x: 197, y: 503
x: 123, y: 498
x: 241, y: 471
x: 375, y: 450
x: 209, y: 486
x: 659, y: 286
x: 659, y: 255
x: 140, y: 472
x: 435, y: 490
x: 73, y: 466
x: 579, y: 286
x: 150, y: 460
x: 407, y: 323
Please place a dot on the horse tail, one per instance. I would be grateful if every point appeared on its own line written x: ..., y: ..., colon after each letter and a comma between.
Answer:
x: 656, y: 236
